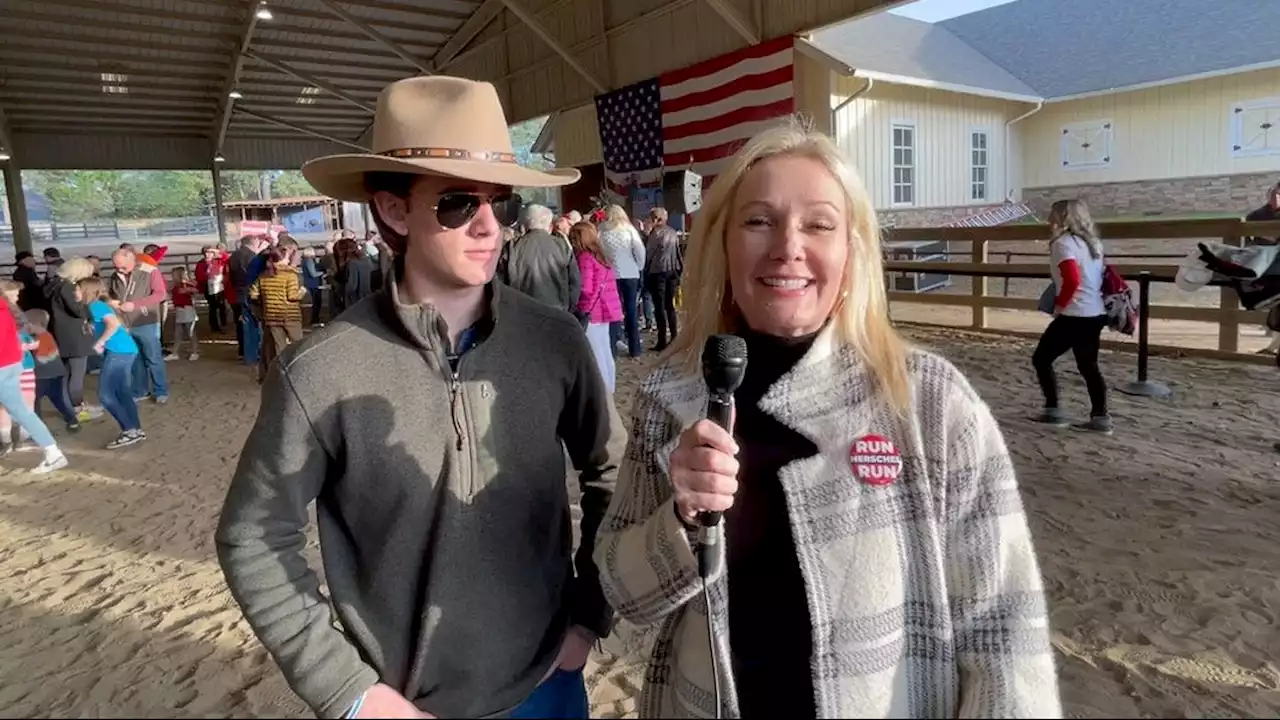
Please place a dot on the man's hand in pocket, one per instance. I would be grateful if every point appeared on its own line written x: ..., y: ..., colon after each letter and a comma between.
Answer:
x: 382, y: 701
x: 575, y: 649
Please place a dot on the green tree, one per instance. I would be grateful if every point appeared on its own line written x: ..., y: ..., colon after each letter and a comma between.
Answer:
x: 523, y: 136
x: 76, y: 195
x: 240, y: 185
x: 167, y: 193
x: 291, y: 183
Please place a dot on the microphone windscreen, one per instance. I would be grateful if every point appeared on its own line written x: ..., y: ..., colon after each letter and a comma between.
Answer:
x: 724, y: 350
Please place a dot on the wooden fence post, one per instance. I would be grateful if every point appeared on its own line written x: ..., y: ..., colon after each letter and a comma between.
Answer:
x: 978, y: 285
x: 1228, y: 304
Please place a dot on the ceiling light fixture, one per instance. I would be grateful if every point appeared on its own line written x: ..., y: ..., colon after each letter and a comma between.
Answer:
x: 234, y: 95
x: 4, y: 155
x: 264, y: 12
x: 218, y: 158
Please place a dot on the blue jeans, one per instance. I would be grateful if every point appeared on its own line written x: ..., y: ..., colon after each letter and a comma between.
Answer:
x: 11, y: 400
x: 646, y: 300
x: 563, y: 695
x: 148, y: 364
x: 115, y: 388
x: 252, y: 334
x: 628, y: 290
x: 55, y: 389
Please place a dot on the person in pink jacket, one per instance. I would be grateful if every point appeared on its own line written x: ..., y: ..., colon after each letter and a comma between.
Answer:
x: 598, y: 304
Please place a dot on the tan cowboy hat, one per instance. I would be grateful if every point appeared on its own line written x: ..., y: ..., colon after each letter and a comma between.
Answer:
x: 434, y: 125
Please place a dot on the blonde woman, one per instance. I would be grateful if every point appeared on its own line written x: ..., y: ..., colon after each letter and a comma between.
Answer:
x: 68, y: 323
x: 625, y: 249
x: 876, y: 558
x: 1079, y: 315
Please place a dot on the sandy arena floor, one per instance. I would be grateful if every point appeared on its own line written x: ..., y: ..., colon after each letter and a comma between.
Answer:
x: 1159, y: 546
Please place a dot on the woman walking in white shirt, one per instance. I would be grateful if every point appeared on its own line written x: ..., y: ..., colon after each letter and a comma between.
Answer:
x: 625, y: 249
x: 1079, y: 315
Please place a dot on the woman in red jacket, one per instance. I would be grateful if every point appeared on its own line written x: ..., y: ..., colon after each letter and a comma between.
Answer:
x: 211, y: 278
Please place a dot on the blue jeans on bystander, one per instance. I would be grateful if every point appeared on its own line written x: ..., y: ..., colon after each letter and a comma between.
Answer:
x: 12, y: 401
x: 149, y: 377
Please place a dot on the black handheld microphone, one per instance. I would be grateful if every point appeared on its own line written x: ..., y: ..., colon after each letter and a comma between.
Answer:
x: 724, y: 364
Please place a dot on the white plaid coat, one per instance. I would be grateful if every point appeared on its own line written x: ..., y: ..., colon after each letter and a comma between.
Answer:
x: 925, y: 596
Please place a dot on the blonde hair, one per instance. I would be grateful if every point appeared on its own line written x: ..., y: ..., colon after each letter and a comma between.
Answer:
x: 76, y: 269
x: 614, y: 218
x: 9, y: 286
x: 1072, y: 217
x: 91, y: 289
x: 860, y: 318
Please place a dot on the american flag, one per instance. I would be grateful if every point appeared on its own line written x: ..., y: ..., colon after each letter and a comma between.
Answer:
x: 700, y: 115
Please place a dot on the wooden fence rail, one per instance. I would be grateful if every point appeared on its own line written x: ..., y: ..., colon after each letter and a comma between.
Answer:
x: 1228, y: 315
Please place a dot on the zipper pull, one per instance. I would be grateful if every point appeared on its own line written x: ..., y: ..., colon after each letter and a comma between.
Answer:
x: 455, y: 387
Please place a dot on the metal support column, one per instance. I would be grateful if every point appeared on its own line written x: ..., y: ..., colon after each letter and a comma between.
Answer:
x: 217, y: 205
x: 17, y: 206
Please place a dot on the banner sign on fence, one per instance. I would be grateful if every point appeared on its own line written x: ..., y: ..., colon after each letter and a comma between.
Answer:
x: 260, y: 227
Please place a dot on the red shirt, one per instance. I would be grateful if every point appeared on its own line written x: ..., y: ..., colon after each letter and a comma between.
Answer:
x: 184, y: 295
x: 10, y: 345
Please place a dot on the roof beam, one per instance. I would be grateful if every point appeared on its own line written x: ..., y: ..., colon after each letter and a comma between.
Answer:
x: 308, y: 79
x: 59, y: 87
x: 41, y: 14
x: 299, y: 128
x: 233, y: 74
x: 118, y: 9
x: 414, y: 9
x: 538, y: 29
x: 438, y: 33
x: 374, y: 35
x: 5, y: 140
x: 488, y: 11
x: 734, y: 20
x: 128, y: 103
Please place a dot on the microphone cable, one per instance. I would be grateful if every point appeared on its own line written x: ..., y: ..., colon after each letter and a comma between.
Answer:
x: 708, y: 539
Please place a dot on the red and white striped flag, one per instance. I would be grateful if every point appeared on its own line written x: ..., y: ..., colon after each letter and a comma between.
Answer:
x: 697, y: 116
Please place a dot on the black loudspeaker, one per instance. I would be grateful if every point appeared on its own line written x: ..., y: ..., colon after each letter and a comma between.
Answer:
x: 682, y: 192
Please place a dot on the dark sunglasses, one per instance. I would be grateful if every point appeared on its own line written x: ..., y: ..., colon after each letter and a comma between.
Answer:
x: 455, y: 209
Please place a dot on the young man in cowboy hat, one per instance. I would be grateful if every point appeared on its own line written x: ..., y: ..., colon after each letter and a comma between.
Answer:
x: 429, y: 423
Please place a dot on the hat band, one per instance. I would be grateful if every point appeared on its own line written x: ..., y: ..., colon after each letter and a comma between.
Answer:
x: 452, y: 154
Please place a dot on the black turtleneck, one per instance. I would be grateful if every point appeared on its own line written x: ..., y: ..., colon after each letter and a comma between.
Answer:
x: 770, y: 632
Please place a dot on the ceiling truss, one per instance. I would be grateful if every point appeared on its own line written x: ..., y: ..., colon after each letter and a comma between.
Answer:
x: 217, y: 70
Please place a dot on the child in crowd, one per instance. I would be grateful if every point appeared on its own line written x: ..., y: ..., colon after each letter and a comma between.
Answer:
x: 12, y: 400
x: 278, y: 294
x: 118, y: 350
x: 184, y: 314
x: 50, y: 371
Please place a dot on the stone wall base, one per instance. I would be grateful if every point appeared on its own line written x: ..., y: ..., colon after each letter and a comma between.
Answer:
x: 1170, y: 197
x: 928, y: 217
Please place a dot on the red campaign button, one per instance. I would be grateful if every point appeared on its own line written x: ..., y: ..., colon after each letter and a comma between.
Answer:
x: 874, y: 460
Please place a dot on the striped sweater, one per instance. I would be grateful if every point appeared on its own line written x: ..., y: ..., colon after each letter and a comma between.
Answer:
x: 924, y: 593
x: 279, y: 296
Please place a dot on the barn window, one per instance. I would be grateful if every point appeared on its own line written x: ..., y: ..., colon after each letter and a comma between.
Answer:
x: 1086, y: 145
x: 904, y: 164
x: 979, y: 154
x: 1255, y: 128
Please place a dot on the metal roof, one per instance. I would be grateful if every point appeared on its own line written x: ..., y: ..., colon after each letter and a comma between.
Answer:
x: 170, y: 83
x: 167, y: 67
x: 1058, y: 49
x: 897, y: 46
